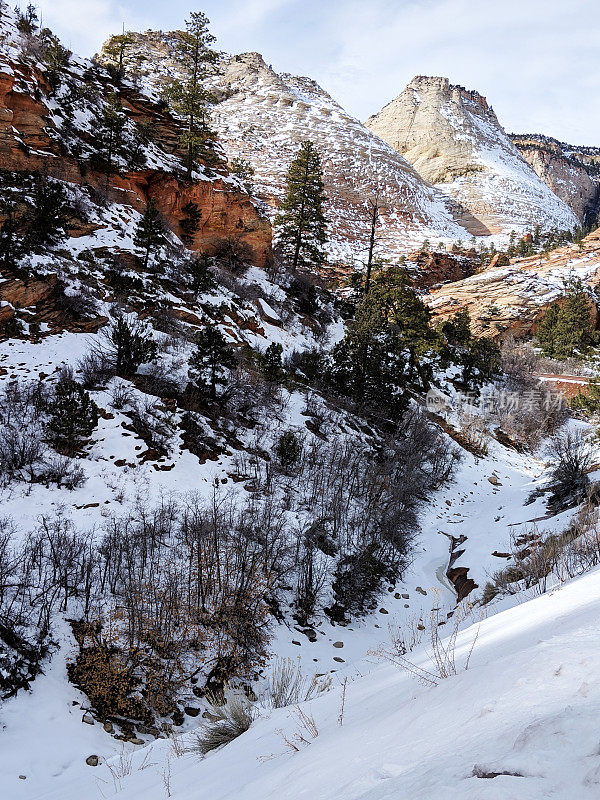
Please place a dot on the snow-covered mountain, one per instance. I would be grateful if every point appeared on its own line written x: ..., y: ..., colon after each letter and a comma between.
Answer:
x: 209, y: 493
x: 454, y: 140
x: 262, y: 117
x: 571, y: 171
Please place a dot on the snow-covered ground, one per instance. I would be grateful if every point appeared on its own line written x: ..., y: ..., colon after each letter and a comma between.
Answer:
x: 397, y: 739
x: 521, y: 722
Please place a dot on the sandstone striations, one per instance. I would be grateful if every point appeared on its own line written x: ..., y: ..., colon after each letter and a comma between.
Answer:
x: 513, y: 298
x: 455, y: 141
x: 573, y: 173
x: 43, y: 132
x: 262, y: 117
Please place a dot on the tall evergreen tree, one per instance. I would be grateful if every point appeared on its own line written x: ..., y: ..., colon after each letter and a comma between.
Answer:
x: 374, y: 217
x: 119, y: 49
x: 48, y: 213
x: 188, y: 96
x: 150, y: 232
x: 210, y: 362
x: 367, y: 366
x: 56, y: 57
x: 404, y: 312
x: 109, y: 135
x: 566, y: 327
x: 190, y: 222
x: 12, y: 246
x: 302, y: 221
x: 27, y: 21
x: 271, y: 363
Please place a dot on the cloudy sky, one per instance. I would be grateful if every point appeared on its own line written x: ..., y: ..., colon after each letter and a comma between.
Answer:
x: 536, y: 61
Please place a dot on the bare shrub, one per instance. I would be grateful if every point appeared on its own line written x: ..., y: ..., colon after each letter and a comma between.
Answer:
x: 570, y: 457
x: 233, y: 254
x: 61, y: 471
x: 287, y: 686
x: 154, y: 424
x: 20, y: 449
x: 75, y: 303
x: 96, y: 369
x: 519, y: 360
x: 475, y: 433
x: 121, y: 395
x: 440, y: 660
x: 306, y: 731
x: 230, y: 720
x: 21, y: 430
x: 528, y: 423
x: 541, y: 560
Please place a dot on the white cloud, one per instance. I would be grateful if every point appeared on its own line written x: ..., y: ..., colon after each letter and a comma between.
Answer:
x: 535, y: 60
x: 83, y: 26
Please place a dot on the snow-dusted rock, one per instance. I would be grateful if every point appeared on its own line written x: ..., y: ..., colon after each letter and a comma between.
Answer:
x: 454, y: 139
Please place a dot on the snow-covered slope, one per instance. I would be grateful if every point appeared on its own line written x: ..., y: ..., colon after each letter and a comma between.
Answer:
x: 520, y: 722
x: 385, y: 743
x: 262, y: 117
x: 572, y: 172
x: 454, y: 139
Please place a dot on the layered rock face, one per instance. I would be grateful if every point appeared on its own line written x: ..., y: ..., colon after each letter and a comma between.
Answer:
x: 454, y: 140
x: 573, y: 173
x: 33, y: 140
x: 512, y: 299
x: 262, y: 117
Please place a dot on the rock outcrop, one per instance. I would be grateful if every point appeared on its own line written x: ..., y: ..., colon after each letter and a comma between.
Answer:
x: 512, y: 299
x: 32, y: 140
x: 262, y: 117
x: 573, y: 173
x: 454, y: 140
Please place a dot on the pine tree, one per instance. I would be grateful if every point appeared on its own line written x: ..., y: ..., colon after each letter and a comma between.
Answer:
x: 190, y: 222
x: 374, y: 218
x: 48, y: 213
x: 590, y: 401
x: 410, y: 319
x: 367, y: 365
x: 211, y: 361
x: 271, y: 363
x: 56, y: 57
x: 109, y: 135
x: 132, y: 345
x: 73, y: 416
x: 244, y: 170
x: 201, y: 275
x: 566, y: 327
x: 480, y: 362
x: 12, y: 246
x: 27, y: 22
x: 457, y: 329
x: 188, y: 97
x: 150, y: 232
x: 301, y: 221
x: 118, y: 49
